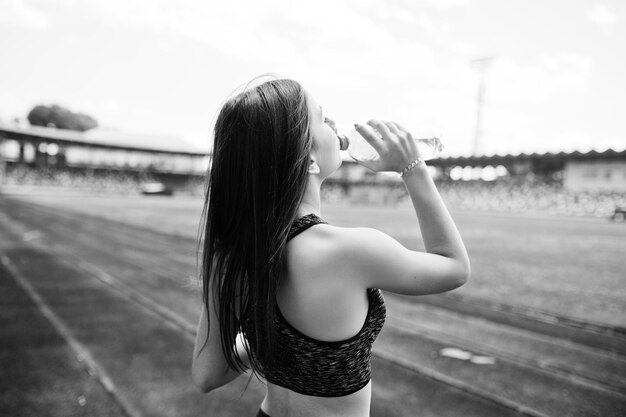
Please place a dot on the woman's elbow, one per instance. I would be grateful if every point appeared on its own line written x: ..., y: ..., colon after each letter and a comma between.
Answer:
x: 463, y: 274
x: 203, y: 380
x: 202, y: 383
x: 458, y: 276
x: 205, y: 389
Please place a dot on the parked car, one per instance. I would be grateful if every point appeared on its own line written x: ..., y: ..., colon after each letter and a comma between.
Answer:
x: 156, y: 188
x: 619, y: 215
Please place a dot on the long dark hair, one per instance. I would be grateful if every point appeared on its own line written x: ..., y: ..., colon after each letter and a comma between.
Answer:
x: 257, y: 179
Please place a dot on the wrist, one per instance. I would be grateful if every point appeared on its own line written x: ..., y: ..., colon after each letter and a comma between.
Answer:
x: 414, y: 167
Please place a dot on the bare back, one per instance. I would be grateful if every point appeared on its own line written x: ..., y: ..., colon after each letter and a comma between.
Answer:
x: 318, y: 298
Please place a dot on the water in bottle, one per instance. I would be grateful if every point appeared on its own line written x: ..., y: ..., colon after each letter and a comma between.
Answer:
x: 359, y: 149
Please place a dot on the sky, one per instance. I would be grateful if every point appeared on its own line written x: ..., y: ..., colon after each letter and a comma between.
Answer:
x: 553, y: 72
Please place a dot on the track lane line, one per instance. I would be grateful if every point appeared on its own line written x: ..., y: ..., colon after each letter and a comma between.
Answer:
x: 82, y: 354
x: 576, y: 377
x: 181, y: 324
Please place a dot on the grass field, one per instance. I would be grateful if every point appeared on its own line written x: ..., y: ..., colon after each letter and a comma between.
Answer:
x: 568, y: 266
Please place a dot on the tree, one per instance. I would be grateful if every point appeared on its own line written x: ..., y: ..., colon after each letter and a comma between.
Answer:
x: 61, y: 118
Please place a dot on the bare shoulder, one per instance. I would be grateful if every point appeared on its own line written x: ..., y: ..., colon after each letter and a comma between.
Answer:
x: 322, y: 246
x: 344, y: 251
x: 322, y: 241
x: 358, y: 243
x: 335, y: 241
x: 366, y: 257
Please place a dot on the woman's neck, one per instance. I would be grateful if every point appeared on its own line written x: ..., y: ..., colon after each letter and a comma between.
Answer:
x: 311, y: 200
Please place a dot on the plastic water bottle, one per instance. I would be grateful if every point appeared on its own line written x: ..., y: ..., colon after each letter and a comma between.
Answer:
x: 359, y: 149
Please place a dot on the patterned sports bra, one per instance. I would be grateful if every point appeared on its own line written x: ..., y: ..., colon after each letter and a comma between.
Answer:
x: 319, y: 368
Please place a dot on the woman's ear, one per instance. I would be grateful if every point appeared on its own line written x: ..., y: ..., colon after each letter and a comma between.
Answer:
x: 314, y: 169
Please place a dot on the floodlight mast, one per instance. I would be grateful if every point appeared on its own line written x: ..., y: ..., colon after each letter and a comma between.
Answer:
x: 481, y: 64
x: 3, y: 165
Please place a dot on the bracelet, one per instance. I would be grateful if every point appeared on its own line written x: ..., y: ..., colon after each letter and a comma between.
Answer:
x: 411, y: 166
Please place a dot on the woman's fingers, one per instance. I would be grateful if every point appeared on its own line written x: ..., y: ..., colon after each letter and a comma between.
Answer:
x: 370, y: 136
x: 406, y: 141
x: 381, y: 128
x: 393, y: 143
x: 393, y: 128
x: 400, y: 127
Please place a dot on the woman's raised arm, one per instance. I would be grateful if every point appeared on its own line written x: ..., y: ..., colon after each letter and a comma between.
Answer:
x: 385, y: 263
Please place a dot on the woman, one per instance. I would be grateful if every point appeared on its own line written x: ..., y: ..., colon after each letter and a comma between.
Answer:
x: 292, y: 298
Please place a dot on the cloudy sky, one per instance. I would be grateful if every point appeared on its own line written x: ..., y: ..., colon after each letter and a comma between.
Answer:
x: 554, y: 76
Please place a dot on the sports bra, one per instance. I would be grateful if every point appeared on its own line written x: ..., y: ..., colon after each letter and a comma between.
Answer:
x: 320, y: 368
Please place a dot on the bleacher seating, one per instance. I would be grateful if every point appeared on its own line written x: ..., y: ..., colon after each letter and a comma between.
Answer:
x: 87, y: 181
x: 535, y: 196
x: 504, y: 195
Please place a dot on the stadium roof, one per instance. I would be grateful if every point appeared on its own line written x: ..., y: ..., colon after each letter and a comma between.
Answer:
x: 485, y: 160
x: 101, y: 138
x: 112, y: 139
x: 496, y: 159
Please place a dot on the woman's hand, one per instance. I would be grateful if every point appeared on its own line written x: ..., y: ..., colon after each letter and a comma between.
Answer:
x: 393, y: 143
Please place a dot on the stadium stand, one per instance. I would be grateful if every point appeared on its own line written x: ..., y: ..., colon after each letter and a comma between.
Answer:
x: 532, y: 196
x: 503, y: 195
x: 572, y: 184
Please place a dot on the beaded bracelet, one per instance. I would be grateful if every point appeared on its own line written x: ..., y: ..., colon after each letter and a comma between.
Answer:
x: 411, y: 166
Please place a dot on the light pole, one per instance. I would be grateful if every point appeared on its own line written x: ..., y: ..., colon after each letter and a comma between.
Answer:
x: 481, y: 64
x: 3, y: 166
